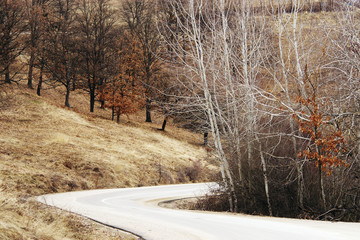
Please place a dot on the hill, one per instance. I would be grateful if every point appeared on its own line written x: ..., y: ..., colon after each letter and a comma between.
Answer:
x: 45, y: 148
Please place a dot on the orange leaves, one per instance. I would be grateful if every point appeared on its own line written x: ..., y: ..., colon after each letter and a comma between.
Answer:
x: 326, y: 143
x: 125, y: 94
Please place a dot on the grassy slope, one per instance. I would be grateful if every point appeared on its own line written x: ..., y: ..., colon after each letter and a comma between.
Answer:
x: 45, y: 148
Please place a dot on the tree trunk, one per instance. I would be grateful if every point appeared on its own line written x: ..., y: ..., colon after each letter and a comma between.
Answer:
x: 92, y: 99
x: 40, y: 80
x: 74, y: 86
x: 112, y: 113
x: 31, y: 67
x: 206, y: 138
x: 300, y: 184
x: 321, y: 183
x: 102, y: 104
x: 67, y: 96
x: 32, y: 24
x: 266, y: 182
x: 321, y: 187
x: 101, y: 88
x: 148, y: 110
x: 7, y: 74
x: 299, y: 168
x: 117, y: 118
x: 164, y: 123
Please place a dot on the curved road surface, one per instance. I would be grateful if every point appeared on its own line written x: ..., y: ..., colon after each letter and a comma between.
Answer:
x: 136, y: 210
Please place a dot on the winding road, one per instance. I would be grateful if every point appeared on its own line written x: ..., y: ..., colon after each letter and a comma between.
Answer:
x: 136, y: 210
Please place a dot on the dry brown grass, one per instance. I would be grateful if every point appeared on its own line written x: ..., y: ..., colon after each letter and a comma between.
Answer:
x: 21, y: 217
x: 45, y: 148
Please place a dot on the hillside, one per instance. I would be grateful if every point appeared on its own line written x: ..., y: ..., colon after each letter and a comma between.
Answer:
x: 45, y: 148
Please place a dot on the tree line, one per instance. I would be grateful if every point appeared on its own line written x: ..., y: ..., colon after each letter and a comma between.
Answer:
x: 84, y: 44
x: 272, y: 85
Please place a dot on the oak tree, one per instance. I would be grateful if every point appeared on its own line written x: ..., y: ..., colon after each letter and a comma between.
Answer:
x: 95, y: 25
x: 125, y: 94
x: 12, y: 29
x: 36, y: 12
x: 60, y: 45
x: 326, y: 142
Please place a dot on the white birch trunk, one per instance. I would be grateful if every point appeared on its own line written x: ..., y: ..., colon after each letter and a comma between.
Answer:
x: 266, y: 182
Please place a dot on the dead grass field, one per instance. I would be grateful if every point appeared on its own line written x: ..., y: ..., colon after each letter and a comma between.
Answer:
x: 45, y: 148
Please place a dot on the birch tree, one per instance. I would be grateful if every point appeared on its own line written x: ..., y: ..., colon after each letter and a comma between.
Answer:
x: 246, y: 70
x: 222, y: 65
x: 343, y: 43
x: 294, y: 49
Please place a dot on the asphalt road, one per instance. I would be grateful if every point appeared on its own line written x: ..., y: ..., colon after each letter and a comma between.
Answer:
x: 136, y: 210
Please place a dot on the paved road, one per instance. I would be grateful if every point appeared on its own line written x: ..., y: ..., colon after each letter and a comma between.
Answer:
x: 136, y: 210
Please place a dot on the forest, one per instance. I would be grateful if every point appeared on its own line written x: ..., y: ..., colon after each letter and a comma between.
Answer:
x: 273, y: 86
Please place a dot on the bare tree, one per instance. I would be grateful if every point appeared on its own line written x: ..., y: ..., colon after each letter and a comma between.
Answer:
x: 222, y: 66
x: 60, y: 45
x: 35, y: 13
x: 293, y: 50
x: 96, y: 30
x: 12, y: 28
x: 342, y: 49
